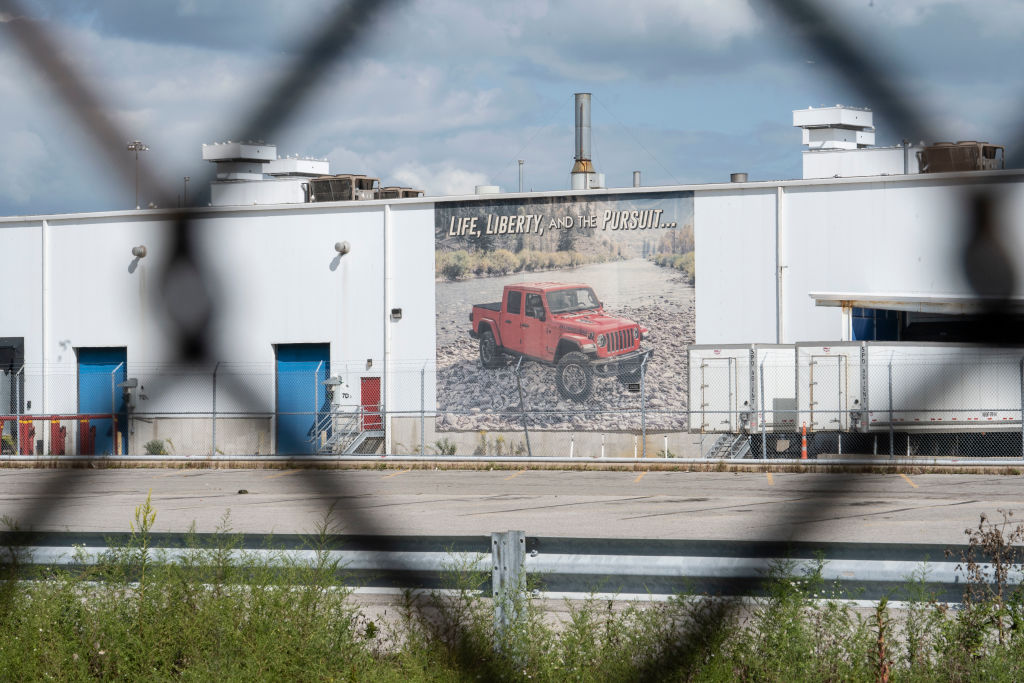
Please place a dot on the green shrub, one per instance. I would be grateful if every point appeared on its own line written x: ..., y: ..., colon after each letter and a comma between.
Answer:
x: 503, y: 261
x: 453, y: 265
x: 156, y: 447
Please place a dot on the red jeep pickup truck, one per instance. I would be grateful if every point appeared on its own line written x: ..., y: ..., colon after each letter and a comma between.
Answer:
x: 564, y: 325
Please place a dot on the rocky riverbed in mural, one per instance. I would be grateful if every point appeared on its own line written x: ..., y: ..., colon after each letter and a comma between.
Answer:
x: 471, y: 397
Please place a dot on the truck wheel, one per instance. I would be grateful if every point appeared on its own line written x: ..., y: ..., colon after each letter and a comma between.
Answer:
x: 490, y: 357
x: 574, y: 377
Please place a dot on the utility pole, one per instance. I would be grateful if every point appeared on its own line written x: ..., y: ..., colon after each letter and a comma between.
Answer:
x: 137, y: 146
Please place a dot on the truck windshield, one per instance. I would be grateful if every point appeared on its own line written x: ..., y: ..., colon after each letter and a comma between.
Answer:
x: 569, y: 300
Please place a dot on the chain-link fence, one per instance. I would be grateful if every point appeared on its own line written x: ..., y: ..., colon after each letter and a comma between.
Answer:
x: 856, y: 398
x: 189, y: 300
x: 803, y: 400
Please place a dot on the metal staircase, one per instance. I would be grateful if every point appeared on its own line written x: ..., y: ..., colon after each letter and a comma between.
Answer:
x: 345, y: 431
x: 729, y: 446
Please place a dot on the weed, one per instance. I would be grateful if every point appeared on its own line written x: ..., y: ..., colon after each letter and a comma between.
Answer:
x: 155, y: 447
x: 445, y: 446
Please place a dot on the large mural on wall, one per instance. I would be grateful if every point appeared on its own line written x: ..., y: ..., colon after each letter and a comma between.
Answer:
x: 558, y: 304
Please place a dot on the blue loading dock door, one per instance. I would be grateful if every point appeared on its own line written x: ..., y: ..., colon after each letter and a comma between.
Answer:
x: 100, y: 374
x: 302, y: 370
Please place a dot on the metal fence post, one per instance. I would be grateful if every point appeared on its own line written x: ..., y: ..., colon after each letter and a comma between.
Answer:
x: 508, y: 552
x: 423, y: 405
x: 18, y: 383
x: 643, y: 405
x: 764, y: 437
x: 213, y: 412
x: 839, y: 405
x: 1022, y: 407
x: 113, y: 408
x: 522, y: 408
x: 892, y: 434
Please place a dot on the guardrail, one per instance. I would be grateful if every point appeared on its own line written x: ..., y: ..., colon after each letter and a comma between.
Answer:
x: 560, y: 567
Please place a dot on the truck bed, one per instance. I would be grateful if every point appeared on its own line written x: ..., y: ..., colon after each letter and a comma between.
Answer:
x: 496, y: 306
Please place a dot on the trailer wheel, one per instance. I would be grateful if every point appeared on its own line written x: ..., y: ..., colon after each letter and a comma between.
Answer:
x: 490, y: 357
x: 574, y: 377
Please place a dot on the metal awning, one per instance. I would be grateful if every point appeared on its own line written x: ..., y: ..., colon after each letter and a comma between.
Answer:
x: 951, y: 304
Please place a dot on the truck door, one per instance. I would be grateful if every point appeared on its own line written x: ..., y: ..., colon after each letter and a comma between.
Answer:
x: 511, y: 319
x: 535, y: 329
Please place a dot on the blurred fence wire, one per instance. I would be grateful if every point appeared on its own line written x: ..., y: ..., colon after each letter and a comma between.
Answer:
x: 190, y: 299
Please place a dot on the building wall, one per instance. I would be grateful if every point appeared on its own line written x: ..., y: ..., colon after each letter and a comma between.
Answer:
x: 886, y: 236
x: 277, y: 278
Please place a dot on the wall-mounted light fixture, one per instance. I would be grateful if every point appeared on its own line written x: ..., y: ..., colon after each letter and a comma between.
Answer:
x: 342, y: 248
x: 369, y: 363
x: 139, y: 251
x: 396, y: 314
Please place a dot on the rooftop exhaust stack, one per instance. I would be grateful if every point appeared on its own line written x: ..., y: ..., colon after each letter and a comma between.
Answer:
x: 583, y: 175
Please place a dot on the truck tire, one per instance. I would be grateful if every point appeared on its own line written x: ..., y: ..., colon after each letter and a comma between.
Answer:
x: 574, y: 377
x: 490, y: 356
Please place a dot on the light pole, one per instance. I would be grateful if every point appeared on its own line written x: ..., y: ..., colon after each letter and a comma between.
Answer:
x: 137, y: 146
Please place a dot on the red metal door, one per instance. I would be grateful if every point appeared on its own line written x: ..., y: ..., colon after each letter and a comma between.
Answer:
x: 369, y: 399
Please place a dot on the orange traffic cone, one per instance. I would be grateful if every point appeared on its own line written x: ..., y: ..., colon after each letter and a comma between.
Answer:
x: 803, y: 441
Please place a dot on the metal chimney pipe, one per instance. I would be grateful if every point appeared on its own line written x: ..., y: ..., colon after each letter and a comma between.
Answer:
x: 582, y: 126
x: 583, y: 175
x: 636, y: 178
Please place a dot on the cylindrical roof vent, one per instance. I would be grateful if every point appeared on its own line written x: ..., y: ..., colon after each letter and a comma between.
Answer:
x: 636, y: 178
x: 737, y: 177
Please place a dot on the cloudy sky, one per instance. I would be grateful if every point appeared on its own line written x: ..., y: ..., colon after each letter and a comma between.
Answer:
x: 447, y: 94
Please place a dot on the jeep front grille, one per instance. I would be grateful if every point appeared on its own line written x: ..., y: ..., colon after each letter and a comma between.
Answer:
x: 620, y: 340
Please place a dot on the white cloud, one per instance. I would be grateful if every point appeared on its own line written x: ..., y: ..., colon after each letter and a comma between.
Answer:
x: 439, y: 179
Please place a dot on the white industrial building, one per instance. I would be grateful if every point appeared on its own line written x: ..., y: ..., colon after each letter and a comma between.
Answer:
x: 777, y: 262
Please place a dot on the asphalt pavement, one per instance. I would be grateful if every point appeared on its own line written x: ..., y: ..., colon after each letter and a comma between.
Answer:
x: 894, y: 508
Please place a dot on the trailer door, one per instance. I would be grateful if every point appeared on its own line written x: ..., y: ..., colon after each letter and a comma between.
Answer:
x: 718, y: 395
x: 828, y: 393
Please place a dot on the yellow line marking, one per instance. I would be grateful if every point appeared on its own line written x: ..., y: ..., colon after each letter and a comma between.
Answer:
x: 771, y: 482
x: 282, y: 474
x: 907, y: 479
x: 395, y: 474
x: 640, y: 476
x: 513, y: 476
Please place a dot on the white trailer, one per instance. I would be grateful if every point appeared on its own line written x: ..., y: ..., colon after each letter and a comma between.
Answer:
x: 730, y: 383
x: 829, y: 386
x: 938, y: 387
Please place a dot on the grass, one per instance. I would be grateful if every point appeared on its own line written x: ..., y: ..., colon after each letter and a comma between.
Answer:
x: 216, y: 612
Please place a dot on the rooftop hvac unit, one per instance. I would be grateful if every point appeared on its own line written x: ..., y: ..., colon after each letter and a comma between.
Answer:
x: 343, y: 188
x: 966, y: 155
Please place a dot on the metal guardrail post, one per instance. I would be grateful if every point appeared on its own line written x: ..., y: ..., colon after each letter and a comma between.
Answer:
x: 508, y: 552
